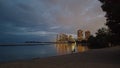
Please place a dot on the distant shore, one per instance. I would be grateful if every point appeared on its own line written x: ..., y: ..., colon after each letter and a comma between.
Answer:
x: 96, y: 58
x: 30, y: 44
x: 26, y: 44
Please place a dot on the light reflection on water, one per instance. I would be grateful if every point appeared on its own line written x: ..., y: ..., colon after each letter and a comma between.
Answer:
x: 13, y: 53
x: 70, y: 48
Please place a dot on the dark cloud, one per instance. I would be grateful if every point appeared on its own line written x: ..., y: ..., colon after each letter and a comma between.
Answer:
x: 24, y: 7
x: 33, y: 19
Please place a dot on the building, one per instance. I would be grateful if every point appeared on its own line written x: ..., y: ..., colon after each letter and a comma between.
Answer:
x: 79, y: 35
x: 71, y: 38
x: 87, y: 35
x: 62, y: 38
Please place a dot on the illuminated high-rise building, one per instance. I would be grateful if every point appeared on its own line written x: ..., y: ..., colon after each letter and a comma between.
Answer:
x: 71, y: 39
x: 87, y: 35
x: 79, y: 35
x: 58, y: 38
x: 62, y: 37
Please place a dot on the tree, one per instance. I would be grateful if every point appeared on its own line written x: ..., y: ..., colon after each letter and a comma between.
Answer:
x: 104, y: 37
x: 101, y: 40
x: 93, y: 43
x: 112, y: 9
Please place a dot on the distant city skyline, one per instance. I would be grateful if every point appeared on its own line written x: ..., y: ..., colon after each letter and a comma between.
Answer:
x: 42, y: 20
x: 80, y: 36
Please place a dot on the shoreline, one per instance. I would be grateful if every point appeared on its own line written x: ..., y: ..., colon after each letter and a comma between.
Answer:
x: 30, y: 44
x: 96, y: 58
x: 25, y: 44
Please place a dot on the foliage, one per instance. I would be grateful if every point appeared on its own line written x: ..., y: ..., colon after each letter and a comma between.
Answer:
x: 101, y: 40
x: 112, y: 9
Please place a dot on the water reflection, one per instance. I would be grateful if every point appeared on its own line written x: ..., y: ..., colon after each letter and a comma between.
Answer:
x: 70, y: 48
x: 81, y: 47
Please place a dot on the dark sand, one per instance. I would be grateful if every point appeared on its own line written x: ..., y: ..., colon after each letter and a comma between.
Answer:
x: 97, y: 58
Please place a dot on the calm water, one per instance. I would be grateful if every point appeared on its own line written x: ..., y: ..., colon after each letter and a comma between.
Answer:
x: 13, y: 53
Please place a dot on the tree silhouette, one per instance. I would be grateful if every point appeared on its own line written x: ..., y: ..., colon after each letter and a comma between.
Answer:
x: 101, y: 40
x: 112, y: 9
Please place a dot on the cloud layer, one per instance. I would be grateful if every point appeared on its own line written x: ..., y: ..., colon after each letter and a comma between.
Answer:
x: 45, y: 18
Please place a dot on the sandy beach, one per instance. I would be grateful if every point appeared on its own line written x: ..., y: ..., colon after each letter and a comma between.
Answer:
x: 95, y: 58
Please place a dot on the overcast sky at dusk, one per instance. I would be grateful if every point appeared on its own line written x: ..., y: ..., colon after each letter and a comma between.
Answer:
x: 22, y: 20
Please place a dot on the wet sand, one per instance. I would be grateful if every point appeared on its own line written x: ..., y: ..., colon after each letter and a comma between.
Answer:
x: 96, y: 58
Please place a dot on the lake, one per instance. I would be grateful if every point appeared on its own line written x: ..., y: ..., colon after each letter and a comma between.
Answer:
x: 13, y: 53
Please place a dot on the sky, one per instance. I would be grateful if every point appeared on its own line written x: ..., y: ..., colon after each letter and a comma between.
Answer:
x: 42, y: 20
